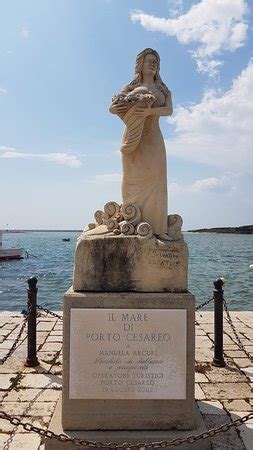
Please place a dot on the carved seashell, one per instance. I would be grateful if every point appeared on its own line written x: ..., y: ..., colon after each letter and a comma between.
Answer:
x: 99, y: 216
x: 119, y: 217
x: 131, y: 213
x: 112, y: 209
x: 116, y: 231
x: 175, y: 223
x: 145, y: 230
x: 112, y: 224
x: 105, y: 218
x: 127, y: 228
x: 91, y: 226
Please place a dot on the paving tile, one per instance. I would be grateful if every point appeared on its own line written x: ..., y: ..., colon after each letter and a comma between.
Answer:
x: 203, y: 342
x: 13, y: 365
x: 10, y: 326
x: 237, y: 405
x: 228, y: 374
x: 54, y: 338
x: 17, y: 320
x: 51, y: 346
x: 56, y: 370
x: 45, y: 326
x: 58, y: 328
x: 199, y: 394
x: 28, y: 409
x: 242, y: 362
x: 200, y: 377
x: 2, y: 395
x: 38, y: 395
x: 42, y: 368
x: 47, y: 357
x: 248, y: 372
x: 3, y: 353
x: 4, y: 332
x: 41, y: 381
x: 235, y: 353
x: 200, y: 333
x: 56, y: 333
x: 6, y: 380
x: 226, y: 391
x: 20, y: 441
x: 203, y: 355
x: 5, y: 427
x: 7, y: 344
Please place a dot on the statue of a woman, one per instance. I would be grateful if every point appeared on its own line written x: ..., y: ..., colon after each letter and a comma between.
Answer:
x: 139, y: 105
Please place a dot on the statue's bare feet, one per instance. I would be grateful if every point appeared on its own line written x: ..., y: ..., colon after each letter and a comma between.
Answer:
x: 164, y: 237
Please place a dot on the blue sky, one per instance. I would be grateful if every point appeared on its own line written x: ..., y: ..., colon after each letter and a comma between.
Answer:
x: 60, y: 64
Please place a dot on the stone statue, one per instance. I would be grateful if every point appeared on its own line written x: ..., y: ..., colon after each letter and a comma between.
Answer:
x: 139, y: 105
x: 136, y: 245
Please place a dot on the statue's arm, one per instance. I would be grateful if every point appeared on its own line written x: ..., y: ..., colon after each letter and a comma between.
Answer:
x: 120, y: 107
x: 165, y: 110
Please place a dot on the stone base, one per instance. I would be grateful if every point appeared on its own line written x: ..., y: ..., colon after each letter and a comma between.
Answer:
x: 91, y: 401
x: 130, y: 263
x: 125, y: 436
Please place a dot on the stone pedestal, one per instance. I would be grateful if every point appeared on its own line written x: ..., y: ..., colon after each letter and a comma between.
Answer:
x: 128, y: 361
x: 120, y: 437
x: 130, y: 263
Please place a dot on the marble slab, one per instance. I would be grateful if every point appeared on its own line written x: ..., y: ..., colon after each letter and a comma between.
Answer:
x: 127, y: 354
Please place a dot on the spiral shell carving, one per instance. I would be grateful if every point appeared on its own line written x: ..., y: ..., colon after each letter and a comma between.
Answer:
x: 131, y: 213
x: 112, y: 224
x: 145, y: 230
x: 126, y: 228
x: 99, y: 216
x: 175, y: 223
x: 112, y: 209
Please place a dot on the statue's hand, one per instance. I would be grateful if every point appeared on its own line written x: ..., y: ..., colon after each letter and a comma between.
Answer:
x: 119, y: 108
x: 143, y: 111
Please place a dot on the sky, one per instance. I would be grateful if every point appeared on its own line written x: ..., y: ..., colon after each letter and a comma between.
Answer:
x: 60, y: 64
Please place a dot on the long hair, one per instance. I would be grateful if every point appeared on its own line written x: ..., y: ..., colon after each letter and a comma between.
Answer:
x: 137, y: 81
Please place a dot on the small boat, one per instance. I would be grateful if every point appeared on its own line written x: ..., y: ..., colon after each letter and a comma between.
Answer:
x: 66, y: 239
x: 9, y: 253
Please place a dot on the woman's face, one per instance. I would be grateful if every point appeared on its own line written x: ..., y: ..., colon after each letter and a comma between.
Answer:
x: 150, y: 65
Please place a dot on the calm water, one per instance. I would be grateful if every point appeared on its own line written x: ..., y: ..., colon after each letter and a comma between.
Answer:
x: 211, y: 256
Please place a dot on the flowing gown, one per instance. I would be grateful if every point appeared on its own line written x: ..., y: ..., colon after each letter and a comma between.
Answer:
x: 144, y: 181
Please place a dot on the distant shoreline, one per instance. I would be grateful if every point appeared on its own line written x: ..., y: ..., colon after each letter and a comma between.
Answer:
x: 244, y: 229
x: 40, y: 231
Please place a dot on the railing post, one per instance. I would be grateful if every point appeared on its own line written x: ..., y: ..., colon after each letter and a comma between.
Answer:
x: 31, y: 360
x: 218, y: 359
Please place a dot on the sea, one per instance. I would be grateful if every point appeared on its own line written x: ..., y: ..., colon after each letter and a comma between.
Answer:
x: 51, y: 260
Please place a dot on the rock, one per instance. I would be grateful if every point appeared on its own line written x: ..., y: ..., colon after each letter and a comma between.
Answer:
x: 130, y: 263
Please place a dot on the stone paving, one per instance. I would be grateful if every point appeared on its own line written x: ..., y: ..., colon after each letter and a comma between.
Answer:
x: 222, y: 394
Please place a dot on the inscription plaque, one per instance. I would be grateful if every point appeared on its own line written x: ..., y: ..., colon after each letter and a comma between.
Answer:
x: 168, y: 258
x: 127, y: 354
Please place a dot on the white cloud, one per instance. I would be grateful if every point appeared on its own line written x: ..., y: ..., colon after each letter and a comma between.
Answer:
x: 4, y: 148
x: 3, y: 91
x: 219, y: 130
x: 175, y: 7
x: 106, y: 178
x: 212, y: 184
x: 25, y: 32
x: 215, y: 185
x: 214, y: 25
x: 58, y: 157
